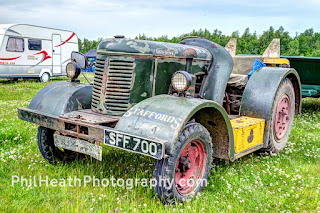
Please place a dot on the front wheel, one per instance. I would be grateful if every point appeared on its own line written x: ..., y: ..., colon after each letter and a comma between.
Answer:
x: 50, y: 152
x: 185, y: 173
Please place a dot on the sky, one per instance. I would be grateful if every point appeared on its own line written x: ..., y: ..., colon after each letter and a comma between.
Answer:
x: 106, y: 18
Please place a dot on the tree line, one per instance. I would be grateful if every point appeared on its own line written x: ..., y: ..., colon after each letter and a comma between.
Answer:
x: 306, y: 43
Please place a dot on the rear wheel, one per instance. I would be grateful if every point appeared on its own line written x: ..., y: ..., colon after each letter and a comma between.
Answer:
x: 49, y: 151
x: 182, y: 175
x: 45, y: 77
x: 282, y: 117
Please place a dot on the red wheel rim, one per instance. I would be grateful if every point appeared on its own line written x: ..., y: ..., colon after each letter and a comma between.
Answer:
x: 282, y: 117
x: 190, y: 167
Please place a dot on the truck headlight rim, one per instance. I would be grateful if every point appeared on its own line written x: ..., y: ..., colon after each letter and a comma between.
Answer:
x: 73, y: 70
x: 181, y: 81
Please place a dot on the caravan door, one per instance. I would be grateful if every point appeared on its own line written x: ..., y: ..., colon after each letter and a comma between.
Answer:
x: 56, y: 53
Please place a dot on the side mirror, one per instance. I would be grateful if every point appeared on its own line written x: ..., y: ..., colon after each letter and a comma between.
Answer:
x: 80, y: 59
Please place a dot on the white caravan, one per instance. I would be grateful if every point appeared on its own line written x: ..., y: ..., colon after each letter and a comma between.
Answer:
x: 34, y: 52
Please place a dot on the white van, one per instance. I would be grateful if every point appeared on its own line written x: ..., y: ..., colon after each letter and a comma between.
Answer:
x: 29, y: 51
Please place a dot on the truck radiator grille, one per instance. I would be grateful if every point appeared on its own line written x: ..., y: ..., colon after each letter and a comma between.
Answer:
x: 114, y: 90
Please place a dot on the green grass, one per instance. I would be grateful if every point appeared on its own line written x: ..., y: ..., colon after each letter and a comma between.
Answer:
x: 287, y: 182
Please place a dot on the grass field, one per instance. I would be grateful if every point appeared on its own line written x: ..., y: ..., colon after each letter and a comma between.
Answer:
x: 288, y: 182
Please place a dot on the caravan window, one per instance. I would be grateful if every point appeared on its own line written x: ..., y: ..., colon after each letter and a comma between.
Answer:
x: 15, y: 44
x: 34, y: 44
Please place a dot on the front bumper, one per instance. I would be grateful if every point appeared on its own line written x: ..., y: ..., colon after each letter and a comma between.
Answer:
x: 86, y: 129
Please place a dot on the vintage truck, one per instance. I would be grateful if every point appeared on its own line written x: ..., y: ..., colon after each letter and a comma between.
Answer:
x: 177, y: 103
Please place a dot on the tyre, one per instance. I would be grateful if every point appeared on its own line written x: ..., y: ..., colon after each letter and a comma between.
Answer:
x: 282, y: 117
x: 45, y: 77
x: 50, y: 152
x: 182, y: 175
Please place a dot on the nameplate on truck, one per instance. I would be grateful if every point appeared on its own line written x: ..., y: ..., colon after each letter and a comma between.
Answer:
x: 144, y: 146
x: 164, y: 53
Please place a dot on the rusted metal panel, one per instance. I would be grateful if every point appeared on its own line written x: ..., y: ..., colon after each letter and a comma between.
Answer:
x: 78, y: 145
x: 163, y: 117
x: 120, y: 82
x: 125, y: 46
x: 94, y: 133
x: 220, y: 130
x: 258, y: 96
x: 87, y: 116
x: 62, y: 97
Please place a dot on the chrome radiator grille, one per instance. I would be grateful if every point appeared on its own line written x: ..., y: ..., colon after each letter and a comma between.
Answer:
x: 111, y: 94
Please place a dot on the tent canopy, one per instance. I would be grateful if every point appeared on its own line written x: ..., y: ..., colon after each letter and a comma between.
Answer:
x: 91, y: 53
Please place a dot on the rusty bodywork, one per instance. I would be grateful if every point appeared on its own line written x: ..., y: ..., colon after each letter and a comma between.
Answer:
x: 132, y: 95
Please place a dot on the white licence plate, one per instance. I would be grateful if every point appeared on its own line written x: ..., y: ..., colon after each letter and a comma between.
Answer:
x: 132, y: 143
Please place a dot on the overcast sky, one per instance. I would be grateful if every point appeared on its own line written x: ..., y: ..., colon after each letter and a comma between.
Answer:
x: 106, y: 18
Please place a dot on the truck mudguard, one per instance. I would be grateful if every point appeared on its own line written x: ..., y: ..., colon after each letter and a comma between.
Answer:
x: 62, y: 97
x: 259, y: 94
x: 215, y: 84
x: 163, y: 117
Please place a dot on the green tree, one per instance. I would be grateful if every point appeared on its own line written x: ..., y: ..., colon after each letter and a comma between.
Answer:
x: 293, y: 48
x: 305, y: 44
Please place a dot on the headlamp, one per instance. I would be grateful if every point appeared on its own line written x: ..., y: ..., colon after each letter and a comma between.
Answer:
x: 73, y: 70
x: 181, y: 81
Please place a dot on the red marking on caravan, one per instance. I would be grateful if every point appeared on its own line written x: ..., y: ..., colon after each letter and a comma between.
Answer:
x: 66, y: 40
x: 45, y: 54
x: 9, y: 59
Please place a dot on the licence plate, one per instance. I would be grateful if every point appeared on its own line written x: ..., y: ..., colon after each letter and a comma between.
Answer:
x: 135, y: 144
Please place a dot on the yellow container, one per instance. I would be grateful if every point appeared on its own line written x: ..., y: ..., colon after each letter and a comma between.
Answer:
x: 248, y: 132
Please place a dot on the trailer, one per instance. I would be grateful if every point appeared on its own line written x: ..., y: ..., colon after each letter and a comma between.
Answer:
x: 308, y: 68
x: 309, y: 71
x: 28, y: 51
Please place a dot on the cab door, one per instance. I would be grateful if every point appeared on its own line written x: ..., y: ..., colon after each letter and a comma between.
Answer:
x: 56, y: 53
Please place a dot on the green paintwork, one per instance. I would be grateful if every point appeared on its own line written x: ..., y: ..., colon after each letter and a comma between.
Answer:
x: 152, y: 71
x: 125, y: 46
x: 259, y: 94
x: 310, y: 90
x: 163, y: 117
x: 309, y: 72
x: 62, y: 97
x: 308, y: 69
x: 132, y: 81
x: 214, y: 86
